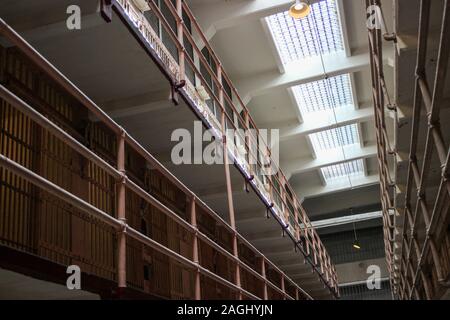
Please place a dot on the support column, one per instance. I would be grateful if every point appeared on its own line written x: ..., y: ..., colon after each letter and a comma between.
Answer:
x: 121, y: 214
x: 195, y: 258
x: 263, y: 273
x: 231, y: 214
x: 283, y: 286
x: 229, y: 188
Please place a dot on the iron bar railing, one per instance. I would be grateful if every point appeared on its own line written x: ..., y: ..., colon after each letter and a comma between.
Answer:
x: 385, y: 151
x: 417, y: 273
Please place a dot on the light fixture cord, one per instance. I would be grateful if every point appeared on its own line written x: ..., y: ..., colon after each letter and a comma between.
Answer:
x: 354, y: 230
x: 330, y: 92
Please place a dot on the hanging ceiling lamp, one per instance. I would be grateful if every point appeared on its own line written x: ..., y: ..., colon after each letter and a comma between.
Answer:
x: 299, y: 10
x: 356, y: 243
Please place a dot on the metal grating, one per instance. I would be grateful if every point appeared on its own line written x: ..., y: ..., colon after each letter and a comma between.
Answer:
x: 340, y: 245
x: 334, y: 138
x: 343, y: 170
x: 320, y: 32
x: 319, y: 95
x: 362, y: 292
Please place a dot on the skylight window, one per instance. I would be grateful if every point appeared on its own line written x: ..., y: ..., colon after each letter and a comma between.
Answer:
x: 320, y: 95
x: 343, y: 170
x: 297, y: 39
x: 334, y: 138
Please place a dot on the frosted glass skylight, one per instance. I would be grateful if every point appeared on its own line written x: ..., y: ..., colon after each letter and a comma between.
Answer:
x: 320, y: 95
x: 334, y: 138
x: 295, y: 39
x: 343, y: 170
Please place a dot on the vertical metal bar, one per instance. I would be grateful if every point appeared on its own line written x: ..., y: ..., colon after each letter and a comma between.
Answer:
x: 195, y: 256
x: 263, y: 273
x: 180, y: 35
x: 248, y: 141
x: 325, y: 261
x: 314, y: 246
x: 283, y: 287
x: 296, y: 225
x: 121, y: 213
x: 284, y: 207
x: 307, y: 233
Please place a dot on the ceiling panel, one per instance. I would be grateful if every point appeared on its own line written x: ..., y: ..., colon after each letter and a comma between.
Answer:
x: 244, y: 49
x: 273, y: 108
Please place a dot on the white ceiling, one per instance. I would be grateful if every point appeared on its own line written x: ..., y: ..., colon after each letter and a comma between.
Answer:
x: 244, y: 50
x: 271, y: 110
